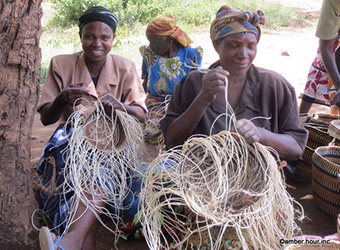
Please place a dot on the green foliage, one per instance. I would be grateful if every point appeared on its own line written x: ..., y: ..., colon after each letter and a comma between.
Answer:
x: 60, y: 35
x: 68, y: 11
x: 132, y: 13
x: 128, y: 12
x: 43, y: 73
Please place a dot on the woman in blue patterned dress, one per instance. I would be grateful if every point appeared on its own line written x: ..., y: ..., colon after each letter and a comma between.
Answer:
x: 166, y: 60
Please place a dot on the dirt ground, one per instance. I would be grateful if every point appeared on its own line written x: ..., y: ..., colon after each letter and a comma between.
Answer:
x: 316, y: 222
x: 300, y: 46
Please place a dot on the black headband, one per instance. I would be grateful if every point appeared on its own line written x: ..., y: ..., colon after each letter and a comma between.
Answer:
x: 98, y: 13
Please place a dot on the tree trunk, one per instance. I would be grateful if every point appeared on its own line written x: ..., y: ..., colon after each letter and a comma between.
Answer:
x: 20, y: 57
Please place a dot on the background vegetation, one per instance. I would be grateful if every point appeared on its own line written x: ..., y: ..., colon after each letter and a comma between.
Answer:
x: 60, y: 31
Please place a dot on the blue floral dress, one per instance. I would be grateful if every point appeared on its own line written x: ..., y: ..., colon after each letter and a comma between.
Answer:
x: 163, y: 74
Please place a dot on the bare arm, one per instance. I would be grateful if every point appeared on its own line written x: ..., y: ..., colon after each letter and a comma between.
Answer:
x: 284, y: 144
x: 51, y: 112
x: 136, y: 111
x: 328, y: 58
x: 110, y: 102
x: 182, y: 127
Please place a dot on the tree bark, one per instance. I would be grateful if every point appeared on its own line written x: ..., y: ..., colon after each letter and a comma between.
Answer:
x: 20, y: 58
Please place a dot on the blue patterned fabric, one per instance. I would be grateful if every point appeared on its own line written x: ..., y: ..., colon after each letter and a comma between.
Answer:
x: 164, y: 73
x: 55, y: 200
x: 54, y: 204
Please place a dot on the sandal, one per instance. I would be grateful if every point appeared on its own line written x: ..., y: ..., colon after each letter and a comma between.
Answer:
x: 46, y: 240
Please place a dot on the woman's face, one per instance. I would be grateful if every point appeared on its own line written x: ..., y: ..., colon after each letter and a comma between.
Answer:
x: 237, y: 52
x: 97, y: 39
x: 159, y: 44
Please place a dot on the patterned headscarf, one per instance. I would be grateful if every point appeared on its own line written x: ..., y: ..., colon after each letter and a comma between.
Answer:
x: 231, y: 20
x: 98, y: 13
x: 165, y: 25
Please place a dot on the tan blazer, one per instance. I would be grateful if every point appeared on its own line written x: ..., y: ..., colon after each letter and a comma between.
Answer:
x: 118, y: 78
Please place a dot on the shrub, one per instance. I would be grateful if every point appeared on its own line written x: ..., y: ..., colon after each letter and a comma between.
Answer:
x: 190, y: 12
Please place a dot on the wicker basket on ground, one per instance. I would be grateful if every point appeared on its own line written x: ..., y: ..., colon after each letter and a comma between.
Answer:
x: 317, y: 126
x: 326, y: 178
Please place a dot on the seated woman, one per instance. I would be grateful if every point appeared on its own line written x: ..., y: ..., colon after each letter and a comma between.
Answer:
x: 264, y: 105
x: 263, y: 101
x: 166, y: 61
x: 71, y: 78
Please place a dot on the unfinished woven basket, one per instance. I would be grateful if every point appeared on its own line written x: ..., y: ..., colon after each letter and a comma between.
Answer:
x: 326, y: 178
x: 97, y: 133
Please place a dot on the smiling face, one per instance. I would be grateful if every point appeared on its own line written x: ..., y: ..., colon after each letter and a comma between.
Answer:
x: 237, y: 52
x: 159, y: 44
x: 97, y: 39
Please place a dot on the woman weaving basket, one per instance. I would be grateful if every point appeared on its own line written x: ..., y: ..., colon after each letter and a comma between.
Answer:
x: 263, y: 101
x: 92, y: 74
x: 166, y: 60
x: 265, y: 107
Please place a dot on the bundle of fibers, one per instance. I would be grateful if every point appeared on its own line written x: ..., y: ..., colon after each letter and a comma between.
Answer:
x: 104, y: 153
x: 213, y: 183
x: 154, y: 116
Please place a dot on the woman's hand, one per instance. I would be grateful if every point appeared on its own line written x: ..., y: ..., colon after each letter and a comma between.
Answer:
x: 213, y: 82
x: 110, y: 104
x: 72, y: 94
x: 286, y: 146
x: 248, y: 131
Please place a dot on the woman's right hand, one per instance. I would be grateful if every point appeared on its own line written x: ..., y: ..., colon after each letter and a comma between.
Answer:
x: 213, y: 82
x: 72, y: 94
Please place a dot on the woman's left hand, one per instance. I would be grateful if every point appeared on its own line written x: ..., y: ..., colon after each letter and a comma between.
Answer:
x: 248, y: 131
x: 110, y: 104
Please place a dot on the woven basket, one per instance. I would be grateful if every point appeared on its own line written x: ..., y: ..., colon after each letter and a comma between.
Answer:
x: 324, y: 118
x: 307, y: 156
x: 99, y: 138
x: 198, y: 162
x: 330, y: 246
x: 318, y: 135
x: 202, y: 240
x: 304, y: 118
x: 303, y: 172
x: 326, y: 178
x: 334, y: 129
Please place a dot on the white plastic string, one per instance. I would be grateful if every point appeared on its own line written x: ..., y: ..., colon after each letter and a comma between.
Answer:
x: 213, y: 184
x: 104, y: 152
x: 226, y: 100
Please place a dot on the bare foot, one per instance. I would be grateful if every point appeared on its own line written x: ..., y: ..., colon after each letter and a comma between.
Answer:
x: 67, y: 242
